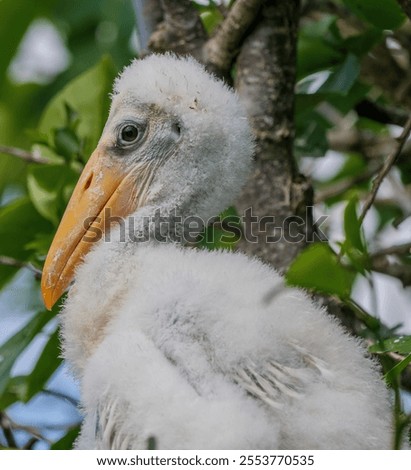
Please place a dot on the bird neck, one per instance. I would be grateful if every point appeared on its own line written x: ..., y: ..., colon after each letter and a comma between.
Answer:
x: 157, y: 224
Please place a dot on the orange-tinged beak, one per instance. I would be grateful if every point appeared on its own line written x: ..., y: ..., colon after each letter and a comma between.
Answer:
x: 106, y: 190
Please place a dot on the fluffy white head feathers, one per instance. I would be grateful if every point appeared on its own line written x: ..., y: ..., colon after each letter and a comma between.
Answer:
x: 217, y: 144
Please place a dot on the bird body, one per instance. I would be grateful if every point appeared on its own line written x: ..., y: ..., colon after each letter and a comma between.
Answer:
x: 197, y: 349
x: 197, y: 355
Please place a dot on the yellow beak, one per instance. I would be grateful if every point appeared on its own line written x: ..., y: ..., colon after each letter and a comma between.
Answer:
x: 107, y: 189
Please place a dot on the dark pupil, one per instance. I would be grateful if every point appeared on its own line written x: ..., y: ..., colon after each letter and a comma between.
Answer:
x: 129, y: 133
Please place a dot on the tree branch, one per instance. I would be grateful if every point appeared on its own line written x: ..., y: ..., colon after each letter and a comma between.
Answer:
x: 15, y: 263
x: 220, y: 50
x: 399, y: 250
x: 385, y: 169
x: 406, y: 6
x: 400, y: 271
x: 265, y: 78
x: 381, y: 263
x: 30, y: 157
x: 340, y: 187
x: 406, y: 373
x: 6, y: 426
x: 7, y: 423
x: 181, y: 31
x: 61, y: 396
x: 382, y: 114
x: 372, y: 146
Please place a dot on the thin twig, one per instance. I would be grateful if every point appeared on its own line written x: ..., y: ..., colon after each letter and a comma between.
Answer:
x: 340, y: 187
x: 400, y: 271
x: 6, y: 426
x: 61, y: 427
x: 380, y: 262
x: 385, y: 169
x: 61, y: 396
x: 397, y: 358
x: 31, y: 157
x: 384, y: 114
x: 4, y: 418
x: 31, y: 443
x: 403, y: 249
x: 15, y: 263
x: 221, y: 49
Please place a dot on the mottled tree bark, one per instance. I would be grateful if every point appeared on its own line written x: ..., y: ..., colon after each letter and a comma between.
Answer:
x: 181, y: 31
x: 264, y: 36
x: 266, y: 69
x: 221, y: 49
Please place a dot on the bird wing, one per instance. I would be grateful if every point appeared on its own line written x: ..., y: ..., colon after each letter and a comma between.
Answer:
x: 108, y: 433
x: 270, y: 382
x: 274, y: 383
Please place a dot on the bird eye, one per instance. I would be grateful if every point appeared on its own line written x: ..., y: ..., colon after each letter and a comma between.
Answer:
x: 129, y: 134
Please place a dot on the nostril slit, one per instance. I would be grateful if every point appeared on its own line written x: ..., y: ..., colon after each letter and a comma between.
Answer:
x: 176, y: 128
x: 88, y: 182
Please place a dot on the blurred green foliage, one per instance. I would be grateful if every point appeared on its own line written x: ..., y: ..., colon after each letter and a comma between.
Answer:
x: 330, y: 87
x: 90, y: 29
x: 62, y: 121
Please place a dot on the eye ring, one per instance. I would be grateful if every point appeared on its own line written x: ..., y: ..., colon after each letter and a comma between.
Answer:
x: 129, y: 134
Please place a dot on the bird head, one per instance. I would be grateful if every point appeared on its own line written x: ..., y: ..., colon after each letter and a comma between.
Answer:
x: 176, y: 138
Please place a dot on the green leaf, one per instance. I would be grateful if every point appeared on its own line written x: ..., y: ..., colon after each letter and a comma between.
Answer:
x: 224, y: 233
x: 341, y: 90
x: 48, y: 362
x: 318, y: 268
x: 40, y: 245
x: 47, y: 185
x: 344, y: 103
x: 216, y: 239
x: 354, y: 244
x: 67, y: 441
x: 395, y: 372
x: 324, y: 28
x: 383, y: 14
x: 399, y: 344
x: 16, y: 391
x: 319, y: 46
x: 311, y: 134
x: 23, y: 387
x: 404, y: 165
x: 19, y: 224
x: 211, y: 18
x: 11, y: 349
x: 353, y: 166
x: 314, y: 55
x: 352, y: 225
x: 88, y: 96
x: 342, y: 79
x: 67, y: 143
x: 11, y: 169
x: 361, y: 44
x: 388, y: 213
